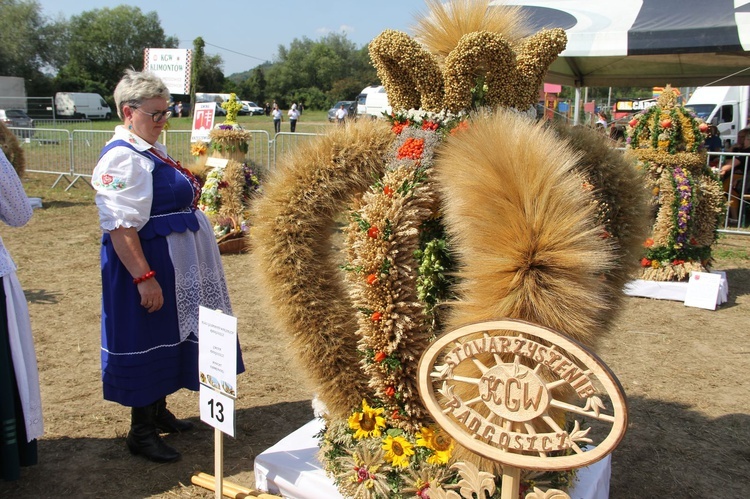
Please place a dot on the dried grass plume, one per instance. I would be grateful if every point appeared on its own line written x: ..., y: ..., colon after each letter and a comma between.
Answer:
x: 524, y: 228
x: 443, y: 25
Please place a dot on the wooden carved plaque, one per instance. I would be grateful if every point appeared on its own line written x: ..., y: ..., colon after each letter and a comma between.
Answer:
x: 499, y: 389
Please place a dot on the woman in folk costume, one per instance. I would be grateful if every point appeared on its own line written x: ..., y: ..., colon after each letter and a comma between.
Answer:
x: 20, y: 400
x: 160, y: 262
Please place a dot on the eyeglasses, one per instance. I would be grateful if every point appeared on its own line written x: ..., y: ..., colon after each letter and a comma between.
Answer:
x: 156, y: 116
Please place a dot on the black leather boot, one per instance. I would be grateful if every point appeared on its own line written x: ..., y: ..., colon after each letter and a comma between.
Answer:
x: 144, y: 440
x: 167, y: 422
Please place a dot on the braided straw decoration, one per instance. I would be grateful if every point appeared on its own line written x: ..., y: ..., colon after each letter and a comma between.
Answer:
x: 479, y: 52
x: 292, y: 255
x: 409, y: 73
x: 412, y: 77
x: 402, y: 332
x: 533, y: 57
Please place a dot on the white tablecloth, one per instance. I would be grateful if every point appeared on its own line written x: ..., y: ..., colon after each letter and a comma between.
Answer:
x: 291, y: 468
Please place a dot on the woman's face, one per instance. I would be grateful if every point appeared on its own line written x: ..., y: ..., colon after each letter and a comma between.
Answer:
x: 140, y: 119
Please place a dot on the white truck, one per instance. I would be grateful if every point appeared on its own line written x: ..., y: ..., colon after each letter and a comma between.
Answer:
x: 725, y: 107
x: 83, y: 105
x: 12, y: 93
x: 372, y: 102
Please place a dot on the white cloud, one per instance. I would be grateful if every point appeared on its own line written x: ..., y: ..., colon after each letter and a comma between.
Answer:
x: 343, y: 29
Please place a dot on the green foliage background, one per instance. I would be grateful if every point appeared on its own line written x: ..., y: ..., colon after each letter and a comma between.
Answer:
x: 90, y: 51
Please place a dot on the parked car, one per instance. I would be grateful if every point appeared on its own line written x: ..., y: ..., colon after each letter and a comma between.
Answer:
x: 252, y: 108
x: 351, y: 108
x: 18, y: 118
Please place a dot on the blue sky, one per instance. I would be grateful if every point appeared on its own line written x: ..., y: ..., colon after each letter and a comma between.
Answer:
x: 253, y: 30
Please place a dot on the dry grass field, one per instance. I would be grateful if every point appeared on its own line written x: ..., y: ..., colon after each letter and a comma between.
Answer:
x: 685, y: 371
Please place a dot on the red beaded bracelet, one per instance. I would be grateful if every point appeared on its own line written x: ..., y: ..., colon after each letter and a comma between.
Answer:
x: 145, y: 277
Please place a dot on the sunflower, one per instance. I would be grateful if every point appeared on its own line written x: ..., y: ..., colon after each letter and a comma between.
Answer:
x: 367, y: 423
x: 397, y: 450
x: 438, y: 441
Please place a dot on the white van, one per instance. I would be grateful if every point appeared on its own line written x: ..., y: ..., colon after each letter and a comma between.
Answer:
x: 82, y: 105
x: 211, y: 97
x: 725, y: 107
x: 373, y: 102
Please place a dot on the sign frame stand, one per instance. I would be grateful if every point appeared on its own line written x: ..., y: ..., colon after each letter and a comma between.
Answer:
x: 219, y: 462
x: 217, y: 347
x: 511, y: 482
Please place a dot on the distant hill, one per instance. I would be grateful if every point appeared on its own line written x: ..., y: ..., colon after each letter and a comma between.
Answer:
x: 240, y: 77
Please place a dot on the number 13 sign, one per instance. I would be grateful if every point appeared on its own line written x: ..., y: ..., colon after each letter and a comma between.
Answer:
x: 217, y: 410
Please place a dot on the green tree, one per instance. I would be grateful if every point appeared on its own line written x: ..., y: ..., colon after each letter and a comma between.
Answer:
x: 319, y: 72
x: 254, y: 87
x: 26, y: 43
x: 211, y: 77
x: 105, y: 42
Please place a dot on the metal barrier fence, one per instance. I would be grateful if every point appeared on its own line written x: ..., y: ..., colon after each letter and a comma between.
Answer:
x: 48, y: 150
x: 259, y: 150
x: 59, y: 122
x: 87, y: 146
x: 285, y: 142
x: 733, y: 167
x: 72, y: 157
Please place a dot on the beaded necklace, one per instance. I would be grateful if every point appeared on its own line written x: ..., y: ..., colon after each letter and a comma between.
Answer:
x: 185, y: 173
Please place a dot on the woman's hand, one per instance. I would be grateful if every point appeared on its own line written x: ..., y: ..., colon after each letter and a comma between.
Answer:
x: 128, y: 248
x: 152, y: 297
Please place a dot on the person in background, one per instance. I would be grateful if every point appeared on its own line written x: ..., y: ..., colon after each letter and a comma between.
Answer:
x: 737, y: 163
x: 267, y: 109
x: 20, y: 400
x: 713, y: 144
x: 601, y: 121
x: 733, y: 173
x: 293, y: 117
x: 277, y: 118
x: 341, y: 114
x: 713, y: 139
x: 178, y: 109
x: 159, y: 264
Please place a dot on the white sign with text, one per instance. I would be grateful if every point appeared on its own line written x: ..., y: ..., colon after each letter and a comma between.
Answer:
x: 173, y: 66
x: 203, y: 121
x: 217, y: 366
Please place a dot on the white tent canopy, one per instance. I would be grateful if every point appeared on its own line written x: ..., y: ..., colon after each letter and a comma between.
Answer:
x: 647, y: 42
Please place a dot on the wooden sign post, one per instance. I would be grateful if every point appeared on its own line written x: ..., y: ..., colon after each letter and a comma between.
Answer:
x: 500, y: 388
x: 217, y: 365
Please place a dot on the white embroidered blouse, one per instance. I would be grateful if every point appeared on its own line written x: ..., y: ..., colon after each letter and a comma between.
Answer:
x: 123, y: 183
x: 15, y: 208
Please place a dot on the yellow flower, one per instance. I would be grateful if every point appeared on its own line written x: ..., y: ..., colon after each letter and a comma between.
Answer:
x: 439, y: 442
x: 397, y: 450
x: 367, y: 423
x: 198, y: 149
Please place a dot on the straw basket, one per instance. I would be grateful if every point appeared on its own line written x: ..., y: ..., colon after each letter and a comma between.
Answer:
x: 233, y: 243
